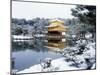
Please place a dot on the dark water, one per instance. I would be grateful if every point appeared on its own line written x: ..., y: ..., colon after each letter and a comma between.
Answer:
x: 28, y: 53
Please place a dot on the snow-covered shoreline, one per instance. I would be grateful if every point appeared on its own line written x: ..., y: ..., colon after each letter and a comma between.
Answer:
x: 21, y: 37
x: 62, y: 64
x: 57, y: 65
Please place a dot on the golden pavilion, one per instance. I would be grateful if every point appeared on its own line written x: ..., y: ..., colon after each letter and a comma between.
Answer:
x: 56, y: 32
x: 56, y: 29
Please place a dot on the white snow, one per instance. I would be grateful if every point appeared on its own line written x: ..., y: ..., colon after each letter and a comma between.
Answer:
x: 39, y: 35
x: 88, y: 35
x: 17, y: 38
x: 57, y: 65
x: 21, y: 37
x: 61, y: 64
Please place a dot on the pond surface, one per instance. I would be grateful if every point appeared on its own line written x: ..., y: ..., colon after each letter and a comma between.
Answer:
x: 28, y: 53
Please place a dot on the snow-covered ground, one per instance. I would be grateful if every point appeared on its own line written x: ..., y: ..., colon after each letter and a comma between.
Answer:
x: 57, y: 65
x: 21, y: 37
x: 17, y: 38
x: 82, y: 61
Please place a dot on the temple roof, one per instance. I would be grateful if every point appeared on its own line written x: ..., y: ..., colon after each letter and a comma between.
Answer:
x: 57, y: 25
x: 56, y: 20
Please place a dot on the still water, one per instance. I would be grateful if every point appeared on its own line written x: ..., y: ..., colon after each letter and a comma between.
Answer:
x: 28, y: 53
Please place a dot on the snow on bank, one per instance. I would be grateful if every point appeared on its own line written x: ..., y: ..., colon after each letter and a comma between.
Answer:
x: 17, y: 38
x: 62, y: 64
x: 21, y: 37
x: 57, y: 65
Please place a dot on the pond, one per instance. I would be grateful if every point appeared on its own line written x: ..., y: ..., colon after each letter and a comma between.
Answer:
x: 28, y: 53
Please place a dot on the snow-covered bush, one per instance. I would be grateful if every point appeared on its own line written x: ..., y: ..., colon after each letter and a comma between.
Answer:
x: 81, y: 57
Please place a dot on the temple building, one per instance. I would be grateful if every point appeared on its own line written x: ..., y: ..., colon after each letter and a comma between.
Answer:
x: 56, y: 29
x: 56, y: 32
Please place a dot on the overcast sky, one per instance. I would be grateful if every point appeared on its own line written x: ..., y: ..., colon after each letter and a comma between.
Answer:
x: 32, y: 10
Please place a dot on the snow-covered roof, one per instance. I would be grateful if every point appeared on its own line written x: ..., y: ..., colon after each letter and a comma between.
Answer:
x: 56, y: 20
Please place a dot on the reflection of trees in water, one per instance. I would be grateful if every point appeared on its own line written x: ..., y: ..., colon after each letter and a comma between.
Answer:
x: 22, y: 45
x: 36, y: 44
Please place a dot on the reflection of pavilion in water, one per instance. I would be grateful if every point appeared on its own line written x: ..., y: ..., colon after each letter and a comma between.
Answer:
x: 56, y: 44
x: 56, y: 34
